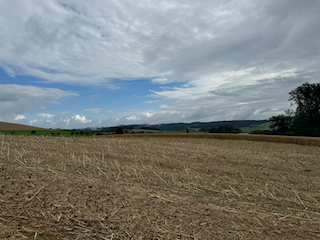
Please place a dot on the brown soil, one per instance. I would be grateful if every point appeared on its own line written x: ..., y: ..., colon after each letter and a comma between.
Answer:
x: 4, y: 126
x: 157, y: 188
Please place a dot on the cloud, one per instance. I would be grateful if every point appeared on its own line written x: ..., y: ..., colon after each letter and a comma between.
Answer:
x: 93, y: 110
x: 98, y: 43
x: 45, y: 115
x: 81, y: 119
x: 17, y: 99
x: 19, y: 117
x: 14, y: 92
x: 60, y: 121
x: 220, y: 60
x: 261, y: 99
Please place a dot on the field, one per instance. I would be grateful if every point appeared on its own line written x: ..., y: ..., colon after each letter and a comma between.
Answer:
x: 262, y: 126
x: 151, y: 187
x: 4, y: 126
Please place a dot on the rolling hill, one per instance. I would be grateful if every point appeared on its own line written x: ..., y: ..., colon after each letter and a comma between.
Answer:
x: 242, y: 124
x: 4, y: 126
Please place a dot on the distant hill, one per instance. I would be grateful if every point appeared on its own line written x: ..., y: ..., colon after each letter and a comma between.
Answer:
x: 196, y: 125
x: 4, y: 126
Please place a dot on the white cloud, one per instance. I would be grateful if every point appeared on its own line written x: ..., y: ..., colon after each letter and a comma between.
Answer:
x: 132, y: 118
x: 93, y: 110
x: 19, y: 117
x: 81, y: 119
x: 17, y: 99
x: 147, y: 114
x: 14, y: 92
x: 45, y: 115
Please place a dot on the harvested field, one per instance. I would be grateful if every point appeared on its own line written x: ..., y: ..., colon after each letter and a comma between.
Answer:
x: 4, y: 126
x: 157, y: 188
x: 312, y: 141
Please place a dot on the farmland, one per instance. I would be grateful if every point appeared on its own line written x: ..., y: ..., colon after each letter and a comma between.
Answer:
x: 4, y: 126
x: 149, y: 187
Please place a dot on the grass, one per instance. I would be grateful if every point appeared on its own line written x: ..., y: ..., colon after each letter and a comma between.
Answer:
x: 157, y: 188
x: 262, y: 126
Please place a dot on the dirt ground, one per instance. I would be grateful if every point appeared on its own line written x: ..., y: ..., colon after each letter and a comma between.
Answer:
x: 157, y: 188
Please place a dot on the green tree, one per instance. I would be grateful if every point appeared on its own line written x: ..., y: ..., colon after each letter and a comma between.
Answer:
x: 204, y: 129
x: 213, y: 130
x: 228, y: 129
x: 119, y: 130
x: 307, y: 116
x: 306, y: 119
x: 281, y: 124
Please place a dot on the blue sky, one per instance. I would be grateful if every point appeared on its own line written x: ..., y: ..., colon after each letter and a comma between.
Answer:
x: 73, y: 64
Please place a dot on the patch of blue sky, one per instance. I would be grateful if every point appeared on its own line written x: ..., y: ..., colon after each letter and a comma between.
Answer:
x: 95, y: 101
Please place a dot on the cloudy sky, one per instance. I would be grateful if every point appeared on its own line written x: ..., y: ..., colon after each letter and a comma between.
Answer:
x: 73, y: 63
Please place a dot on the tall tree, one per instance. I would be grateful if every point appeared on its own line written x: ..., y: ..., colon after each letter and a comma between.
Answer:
x: 281, y: 124
x: 307, y: 115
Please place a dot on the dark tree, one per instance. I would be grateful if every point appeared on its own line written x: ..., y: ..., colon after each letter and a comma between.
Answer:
x: 119, y: 130
x: 213, y: 130
x: 228, y: 129
x: 204, y: 129
x: 281, y: 124
x: 307, y: 116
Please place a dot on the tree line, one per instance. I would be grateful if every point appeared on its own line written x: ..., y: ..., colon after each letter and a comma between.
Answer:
x: 221, y: 129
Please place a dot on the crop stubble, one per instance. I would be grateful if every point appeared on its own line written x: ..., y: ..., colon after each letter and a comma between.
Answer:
x: 157, y: 188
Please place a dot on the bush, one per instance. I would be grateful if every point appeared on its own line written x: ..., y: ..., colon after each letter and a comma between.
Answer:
x: 118, y: 131
x: 225, y: 129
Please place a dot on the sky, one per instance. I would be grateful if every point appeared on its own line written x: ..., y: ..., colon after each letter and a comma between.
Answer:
x: 99, y: 63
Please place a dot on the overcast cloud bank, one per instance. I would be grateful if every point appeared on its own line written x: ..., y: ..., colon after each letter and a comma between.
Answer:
x: 229, y: 60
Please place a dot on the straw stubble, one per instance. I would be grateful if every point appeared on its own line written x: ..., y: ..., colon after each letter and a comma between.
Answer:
x: 157, y: 188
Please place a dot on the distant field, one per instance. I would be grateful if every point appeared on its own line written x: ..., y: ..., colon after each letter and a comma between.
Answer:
x: 263, y: 126
x: 141, y: 187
